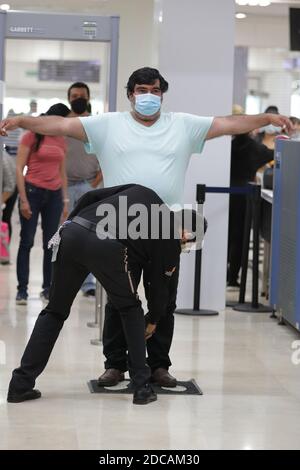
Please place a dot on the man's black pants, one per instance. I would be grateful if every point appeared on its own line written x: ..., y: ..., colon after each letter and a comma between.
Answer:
x: 82, y: 252
x: 158, y: 346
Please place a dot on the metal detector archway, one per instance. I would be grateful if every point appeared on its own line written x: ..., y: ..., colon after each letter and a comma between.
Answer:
x: 65, y: 27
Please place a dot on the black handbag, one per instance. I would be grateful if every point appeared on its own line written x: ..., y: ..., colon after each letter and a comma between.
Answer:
x: 268, y: 178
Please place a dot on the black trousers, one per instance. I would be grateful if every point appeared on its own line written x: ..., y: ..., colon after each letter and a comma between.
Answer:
x: 158, y: 346
x: 82, y: 252
x: 237, y: 217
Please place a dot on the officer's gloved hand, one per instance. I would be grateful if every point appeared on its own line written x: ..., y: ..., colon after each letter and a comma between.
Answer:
x: 150, y: 330
x: 150, y: 327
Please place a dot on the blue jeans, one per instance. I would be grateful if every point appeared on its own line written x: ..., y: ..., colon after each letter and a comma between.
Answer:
x: 75, y: 191
x: 49, y: 204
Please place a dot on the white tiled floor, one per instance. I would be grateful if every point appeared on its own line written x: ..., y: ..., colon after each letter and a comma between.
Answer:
x: 241, y: 361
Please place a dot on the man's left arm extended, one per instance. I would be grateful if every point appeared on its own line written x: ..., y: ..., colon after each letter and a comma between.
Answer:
x: 242, y: 124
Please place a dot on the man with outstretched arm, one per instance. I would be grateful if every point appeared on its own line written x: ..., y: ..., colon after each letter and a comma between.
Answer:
x: 151, y: 148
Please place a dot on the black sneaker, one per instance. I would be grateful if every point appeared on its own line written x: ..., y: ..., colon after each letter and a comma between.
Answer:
x: 19, y: 397
x: 233, y: 286
x: 44, y: 295
x: 90, y: 293
x: 21, y: 299
x: 144, y: 395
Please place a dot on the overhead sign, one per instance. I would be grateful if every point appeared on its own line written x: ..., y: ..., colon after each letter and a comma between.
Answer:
x: 69, y: 71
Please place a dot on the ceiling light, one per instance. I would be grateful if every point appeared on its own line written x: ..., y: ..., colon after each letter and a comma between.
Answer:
x: 254, y: 3
x: 240, y: 16
x: 4, y: 7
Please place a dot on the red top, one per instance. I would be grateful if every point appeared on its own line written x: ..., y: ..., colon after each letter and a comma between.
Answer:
x: 43, y: 166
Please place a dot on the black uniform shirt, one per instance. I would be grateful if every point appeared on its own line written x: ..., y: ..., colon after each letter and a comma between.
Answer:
x: 159, y: 256
x: 247, y: 156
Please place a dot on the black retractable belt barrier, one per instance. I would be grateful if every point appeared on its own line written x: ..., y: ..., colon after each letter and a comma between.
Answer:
x: 247, y: 190
x: 246, y: 242
x: 252, y: 216
x: 200, y: 197
x: 253, y: 193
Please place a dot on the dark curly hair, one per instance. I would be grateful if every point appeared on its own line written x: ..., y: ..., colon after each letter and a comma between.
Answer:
x: 147, y: 76
x: 58, y: 109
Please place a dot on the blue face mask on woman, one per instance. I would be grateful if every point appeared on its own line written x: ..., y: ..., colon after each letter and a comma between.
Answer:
x: 270, y: 129
x: 147, y: 104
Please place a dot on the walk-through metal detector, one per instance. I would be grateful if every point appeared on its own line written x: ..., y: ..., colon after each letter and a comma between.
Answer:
x: 64, y: 27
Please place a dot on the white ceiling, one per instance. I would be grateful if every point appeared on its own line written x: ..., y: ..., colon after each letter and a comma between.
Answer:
x: 74, y: 6
x: 277, y: 8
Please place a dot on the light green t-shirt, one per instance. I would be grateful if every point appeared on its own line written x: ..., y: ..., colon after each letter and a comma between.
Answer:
x: 156, y: 157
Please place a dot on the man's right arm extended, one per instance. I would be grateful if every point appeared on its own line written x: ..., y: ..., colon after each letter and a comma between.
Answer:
x: 46, y: 125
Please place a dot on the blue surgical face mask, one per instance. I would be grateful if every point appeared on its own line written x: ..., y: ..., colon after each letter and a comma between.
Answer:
x: 270, y: 129
x: 147, y: 104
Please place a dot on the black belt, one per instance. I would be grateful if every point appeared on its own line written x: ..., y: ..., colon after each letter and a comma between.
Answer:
x: 92, y: 227
x: 73, y: 183
x: 84, y: 223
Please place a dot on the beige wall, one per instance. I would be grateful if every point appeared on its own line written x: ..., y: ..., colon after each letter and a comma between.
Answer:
x: 267, y: 38
x: 197, y: 59
x: 136, y: 39
x: 262, y: 31
x: 136, y: 47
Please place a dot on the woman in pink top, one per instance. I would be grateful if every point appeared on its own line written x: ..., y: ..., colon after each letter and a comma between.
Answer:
x: 42, y: 192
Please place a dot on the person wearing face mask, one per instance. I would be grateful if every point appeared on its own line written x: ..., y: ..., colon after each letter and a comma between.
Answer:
x: 153, y: 148
x: 247, y: 156
x: 83, y: 171
x: 295, y: 133
x: 267, y: 134
x: 42, y: 193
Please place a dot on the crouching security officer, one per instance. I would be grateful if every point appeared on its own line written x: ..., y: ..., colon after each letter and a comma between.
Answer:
x: 117, y: 263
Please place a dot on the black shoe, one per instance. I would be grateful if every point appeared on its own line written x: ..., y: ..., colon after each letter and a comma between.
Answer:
x: 162, y: 377
x: 21, y: 298
x: 90, y: 293
x: 110, y: 378
x: 233, y: 286
x: 144, y: 395
x: 44, y: 295
x: 19, y: 397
